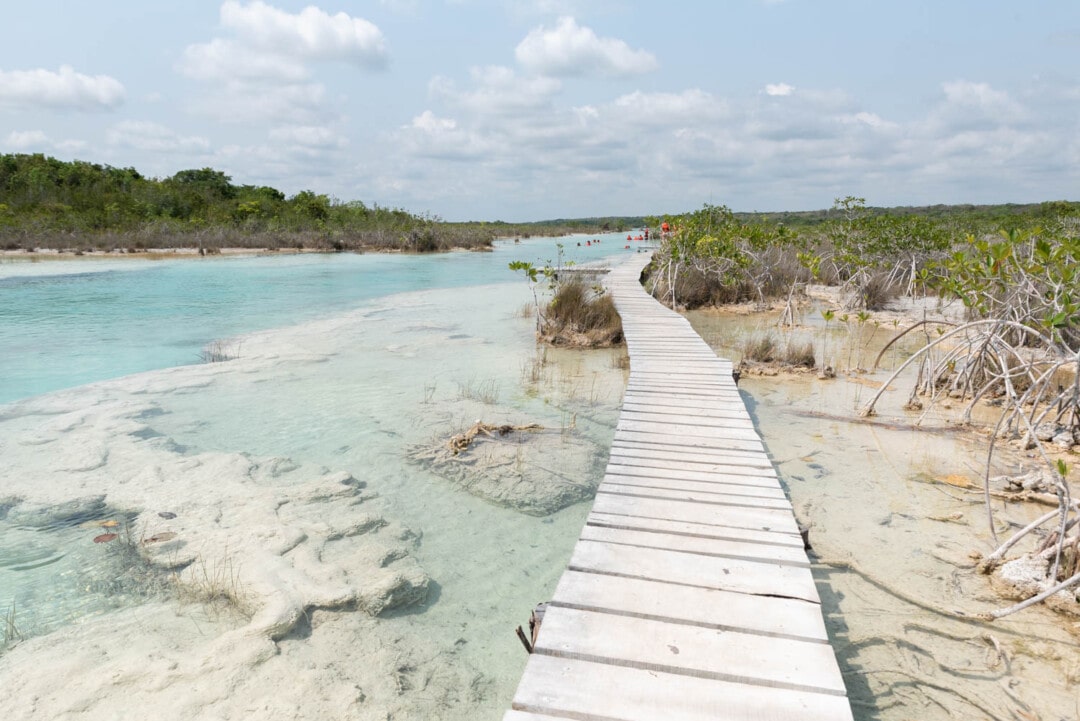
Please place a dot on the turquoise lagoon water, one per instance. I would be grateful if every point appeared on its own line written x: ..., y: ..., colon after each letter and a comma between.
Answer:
x: 397, y: 351
x: 64, y: 323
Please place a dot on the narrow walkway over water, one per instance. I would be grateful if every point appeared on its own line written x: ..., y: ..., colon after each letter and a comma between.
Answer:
x: 689, y: 594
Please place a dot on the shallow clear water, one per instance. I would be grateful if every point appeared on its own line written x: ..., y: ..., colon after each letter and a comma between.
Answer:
x: 364, y: 358
x: 64, y: 323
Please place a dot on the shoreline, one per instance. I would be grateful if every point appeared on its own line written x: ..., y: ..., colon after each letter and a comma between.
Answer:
x: 48, y: 254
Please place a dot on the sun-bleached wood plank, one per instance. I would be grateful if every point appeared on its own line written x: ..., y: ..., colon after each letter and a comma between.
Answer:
x: 792, y: 555
x: 693, y: 496
x: 704, y: 456
x: 677, y: 470
x: 708, y: 607
x: 512, y: 715
x: 754, y: 519
x: 741, y: 575
x: 737, y: 430
x: 679, y: 648
x: 668, y: 439
x: 579, y: 689
x: 691, y: 528
x: 760, y: 486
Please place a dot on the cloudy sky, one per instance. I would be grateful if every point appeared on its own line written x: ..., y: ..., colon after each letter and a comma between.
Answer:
x: 525, y: 110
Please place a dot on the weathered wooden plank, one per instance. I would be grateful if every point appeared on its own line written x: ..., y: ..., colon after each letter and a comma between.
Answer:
x: 694, y: 569
x: 700, y: 357
x: 688, y: 376
x: 692, y: 528
x: 645, y: 458
x: 719, y: 376
x: 688, y: 454
x: 703, y: 417
x: 658, y: 390
x: 762, y: 486
x: 719, y: 417
x: 790, y: 555
x: 513, y: 715
x: 657, y: 363
x: 590, y: 691
x: 778, y: 521
x: 677, y: 470
x: 739, y: 430
x: 734, y: 428
x: 663, y: 380
x: 691, y: 441
x: 703, y: 497
x: 679, y: 648
x: 705, y: 410
x: 668, y: 400
x: 708, y: 607
x: 701, y: 456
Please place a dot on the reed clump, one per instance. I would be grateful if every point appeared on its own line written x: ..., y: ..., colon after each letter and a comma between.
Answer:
x: 581, y: 315
x: 214, y: 584
x: 219, y: 351
x: 766, y: 349
x: 484, y: 391
x: 12, y: 634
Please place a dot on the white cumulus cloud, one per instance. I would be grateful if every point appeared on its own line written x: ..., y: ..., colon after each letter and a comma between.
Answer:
x: 779, y: 89
x: 263, y: 65
x: 964, y: 92
x: 429, y: 123
x: 63, y: 89
x: 570, y: 49
x: 311, y: 34
x: 498, y: 91
x: 226, y: 59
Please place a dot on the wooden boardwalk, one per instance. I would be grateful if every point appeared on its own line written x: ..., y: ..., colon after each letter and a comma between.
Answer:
x: 689, y: 594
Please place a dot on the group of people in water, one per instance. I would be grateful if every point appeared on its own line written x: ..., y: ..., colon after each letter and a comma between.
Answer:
x: 664, y: 230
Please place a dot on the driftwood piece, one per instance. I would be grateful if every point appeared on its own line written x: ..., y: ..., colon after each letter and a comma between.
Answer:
x: 462, y: 441
x: 535, y: 619
x: 1045, y: 499
x: 888, y: 425
x: 524, y: 640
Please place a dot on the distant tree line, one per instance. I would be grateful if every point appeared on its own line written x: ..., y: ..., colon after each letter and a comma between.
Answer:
x: 49, y: 203
x: 1004, y: 215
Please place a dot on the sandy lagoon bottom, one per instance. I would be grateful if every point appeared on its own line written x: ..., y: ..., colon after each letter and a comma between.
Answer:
x: 892, y: 531
x: 368, y: 587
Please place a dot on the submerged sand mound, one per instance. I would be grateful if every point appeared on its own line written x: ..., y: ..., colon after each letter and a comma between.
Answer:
x: 522, y: 466
x: 237, y: 552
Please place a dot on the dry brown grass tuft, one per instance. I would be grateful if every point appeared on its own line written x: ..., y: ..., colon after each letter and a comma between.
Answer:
x: 765, y: 349
x: 581, y: 315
